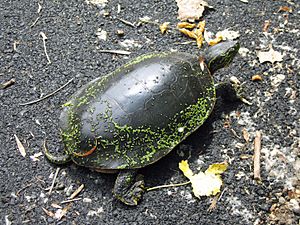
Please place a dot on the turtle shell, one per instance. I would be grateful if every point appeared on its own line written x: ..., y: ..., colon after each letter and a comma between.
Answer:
x: 137, y: 114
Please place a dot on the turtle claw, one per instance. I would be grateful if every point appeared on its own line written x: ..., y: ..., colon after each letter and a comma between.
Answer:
x: 129, y: 187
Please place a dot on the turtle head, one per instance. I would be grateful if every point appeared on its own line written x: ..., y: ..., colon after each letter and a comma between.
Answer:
x: 221, y: 55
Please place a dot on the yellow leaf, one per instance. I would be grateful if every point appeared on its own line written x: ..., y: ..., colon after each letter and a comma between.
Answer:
x: 164, y: 27
x: 188, y: 33
x: 186, y: 25
x: 184, y: 167
x: 217, y: 168
x: 207, y: 183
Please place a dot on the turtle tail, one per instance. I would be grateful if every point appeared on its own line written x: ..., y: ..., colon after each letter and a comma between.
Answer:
x: 59, y: 160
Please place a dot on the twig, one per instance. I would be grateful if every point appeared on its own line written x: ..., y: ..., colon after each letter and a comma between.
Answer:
x: 214, y: 202
x: 23, y: 188
x: 168, y: 185
x: 34, y: 22
x: 75, y: 193
x: 120, y: 52
x: 256, y: 157
x: 53, y: 182
x: 70, y: 200
x: 7, y: 83
x: 126, y: 22
x: 44, y: 43
x: 47, y: 96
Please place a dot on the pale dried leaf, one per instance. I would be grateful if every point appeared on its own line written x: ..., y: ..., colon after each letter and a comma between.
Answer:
x: 61, y: 212
x: 36, y: 156
x: 228, y: 34
x: 101, y: 34
x: 191, y: 9
x: 270, y: 56
x: 20, y: 146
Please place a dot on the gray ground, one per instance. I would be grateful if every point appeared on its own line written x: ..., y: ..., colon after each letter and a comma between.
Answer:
x: 73, y: 48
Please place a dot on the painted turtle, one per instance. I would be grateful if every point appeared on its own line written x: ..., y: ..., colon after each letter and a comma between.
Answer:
x: 137, y: 114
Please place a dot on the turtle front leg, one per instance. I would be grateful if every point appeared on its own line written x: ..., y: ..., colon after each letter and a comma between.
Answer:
x: 129, y: 187
x: 231, y: 90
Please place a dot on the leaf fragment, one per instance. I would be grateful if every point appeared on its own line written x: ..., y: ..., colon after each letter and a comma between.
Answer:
x: 186, y: 25
x: 164, y: 27
x: 246, y: 135
x: 20, y: 146
x: 270, y: 56
x: 191, y: 9
x: 205, y: 183
x: 285, y: 9
x: 188, y: 33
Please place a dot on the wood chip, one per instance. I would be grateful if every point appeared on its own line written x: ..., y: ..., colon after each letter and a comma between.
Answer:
x: 60, y: 213
x: 256, y: 157
x: 49, y: 213
x: 77, y: 191
x: 53, y: 181
x: 20, y: 146
x: 246, y: 135
x: 7, y: 83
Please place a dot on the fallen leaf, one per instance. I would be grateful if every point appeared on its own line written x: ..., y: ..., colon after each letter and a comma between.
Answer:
x: 164, y: 27
x: 188, y: 33
x: 215, y: 41
x: 20, y: 146
x: 101, y: 34
x: 191, y: 9
x: 204, y: 183
x: 270, y: 56
x: 186, y: 25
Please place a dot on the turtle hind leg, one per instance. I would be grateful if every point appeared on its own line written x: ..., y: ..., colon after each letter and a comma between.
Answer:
x: 129, y: 187
x: 59, y: 160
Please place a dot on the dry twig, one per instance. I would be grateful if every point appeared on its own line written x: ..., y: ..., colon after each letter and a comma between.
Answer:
x: 120, y: 52
x: 7, y: 83
x: 53, y: 182
x: 256, y: 157
x: 44, y: 43
x: 47, y: 96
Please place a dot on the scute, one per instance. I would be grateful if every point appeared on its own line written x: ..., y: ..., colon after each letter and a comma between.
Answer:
x: 138, y: 113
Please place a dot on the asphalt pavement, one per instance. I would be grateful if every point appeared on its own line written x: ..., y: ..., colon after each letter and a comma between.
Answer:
x: 72, y: 39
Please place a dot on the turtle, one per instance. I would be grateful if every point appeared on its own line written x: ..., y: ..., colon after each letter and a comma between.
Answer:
x: 137, y: 114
